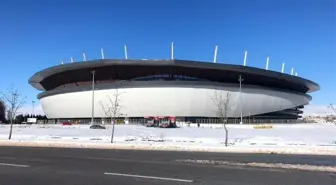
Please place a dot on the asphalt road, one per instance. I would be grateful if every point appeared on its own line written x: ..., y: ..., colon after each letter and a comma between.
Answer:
x: 55, y: 166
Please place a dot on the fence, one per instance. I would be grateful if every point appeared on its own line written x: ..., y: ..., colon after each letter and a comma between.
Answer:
x: 181, y: 120
x: 85, y: 121
x: 247, y: 121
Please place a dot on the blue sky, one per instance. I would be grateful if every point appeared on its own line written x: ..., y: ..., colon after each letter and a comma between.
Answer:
x: 39, y: 34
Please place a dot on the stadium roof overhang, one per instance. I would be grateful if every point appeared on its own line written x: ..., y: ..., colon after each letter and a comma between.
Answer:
x: 52, y: 77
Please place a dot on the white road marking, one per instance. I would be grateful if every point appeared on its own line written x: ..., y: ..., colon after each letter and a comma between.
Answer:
x: 14, y: 165
x: 149, y: 177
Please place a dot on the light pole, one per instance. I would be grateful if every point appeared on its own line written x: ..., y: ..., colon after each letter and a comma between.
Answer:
x: 33, y: 102
x: 240, y: 79
x: 93, y: 88
x: 249, y: 117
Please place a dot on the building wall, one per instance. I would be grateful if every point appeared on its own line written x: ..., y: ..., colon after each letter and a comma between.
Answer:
x: 169, y: 99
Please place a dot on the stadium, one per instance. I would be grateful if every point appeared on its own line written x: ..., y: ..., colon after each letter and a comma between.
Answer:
x: 169, y: 88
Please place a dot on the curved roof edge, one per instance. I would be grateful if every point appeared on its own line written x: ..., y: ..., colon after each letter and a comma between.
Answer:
x: 39, y: 76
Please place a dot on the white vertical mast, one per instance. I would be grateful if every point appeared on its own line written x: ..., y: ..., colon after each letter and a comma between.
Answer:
x: 102, y: 53
x: 245, y: 57
x: 283, y: 67
x: 84, y: 57
x: 125, y: 48
x: 292, y: 72
x: 267, y: 61
x: 71, y: 60
x: 215, y: 55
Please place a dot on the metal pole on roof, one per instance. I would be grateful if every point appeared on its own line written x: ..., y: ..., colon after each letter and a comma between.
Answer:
x: 283, y: 67
x: 245, y: 57
x: 267, y: 61
x: 240, y: 79
x: 296, y: 74
x: 292, y: 71
x: 84, y: 57
x: 102, y: 53
x: 71, y: 59
x: 172, y: 50
x: 215, y: 55
x: 93, y: 89
x: 125, y: 48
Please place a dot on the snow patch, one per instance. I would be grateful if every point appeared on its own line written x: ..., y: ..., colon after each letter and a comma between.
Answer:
x: 262, y: 165
x: 291, y: 138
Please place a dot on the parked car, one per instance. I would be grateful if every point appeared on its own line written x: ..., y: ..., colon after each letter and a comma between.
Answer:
x: 97, y: 127
x: 66, y: 123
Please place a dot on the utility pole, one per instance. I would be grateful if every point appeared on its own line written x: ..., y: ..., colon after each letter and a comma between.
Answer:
x: 249, y: 118
x: 93, y: 89
x: 240, y: 79
x: 33, y: 102
x: 172, y: 51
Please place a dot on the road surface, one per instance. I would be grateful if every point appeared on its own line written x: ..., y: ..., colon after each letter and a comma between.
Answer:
x: 55, y: 166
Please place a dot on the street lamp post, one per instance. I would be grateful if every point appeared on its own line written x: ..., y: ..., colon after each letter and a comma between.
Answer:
x: 249, y: 117
x: 240, y: 79
x: 93, y: 88
x: 33, y: 102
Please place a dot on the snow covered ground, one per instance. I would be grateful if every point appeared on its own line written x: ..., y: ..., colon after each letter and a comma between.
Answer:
x: 296, y: 138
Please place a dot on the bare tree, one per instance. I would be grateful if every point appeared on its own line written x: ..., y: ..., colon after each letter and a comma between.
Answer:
x: 332, y: 108
x: 222, y: 102
x: 113, y: 109
x: 13, y: 101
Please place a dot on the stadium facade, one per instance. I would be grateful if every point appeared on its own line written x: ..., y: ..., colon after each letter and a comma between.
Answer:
x: 176, y: 88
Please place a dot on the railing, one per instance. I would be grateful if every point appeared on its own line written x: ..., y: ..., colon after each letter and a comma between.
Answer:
x: 248, y: 121
x: 180, y: 120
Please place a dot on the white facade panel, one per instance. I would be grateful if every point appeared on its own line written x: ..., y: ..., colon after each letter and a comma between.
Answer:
x: 170, y: 101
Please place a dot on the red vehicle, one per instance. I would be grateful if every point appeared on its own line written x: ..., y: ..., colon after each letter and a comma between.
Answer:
x: 167, y: 122
x: 66, y: 123
x: 161, y: 121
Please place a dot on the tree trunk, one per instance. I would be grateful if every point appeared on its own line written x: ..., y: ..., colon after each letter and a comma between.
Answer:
x: 10, y: 130
x: 112, y: 130
x: 226, y: 135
